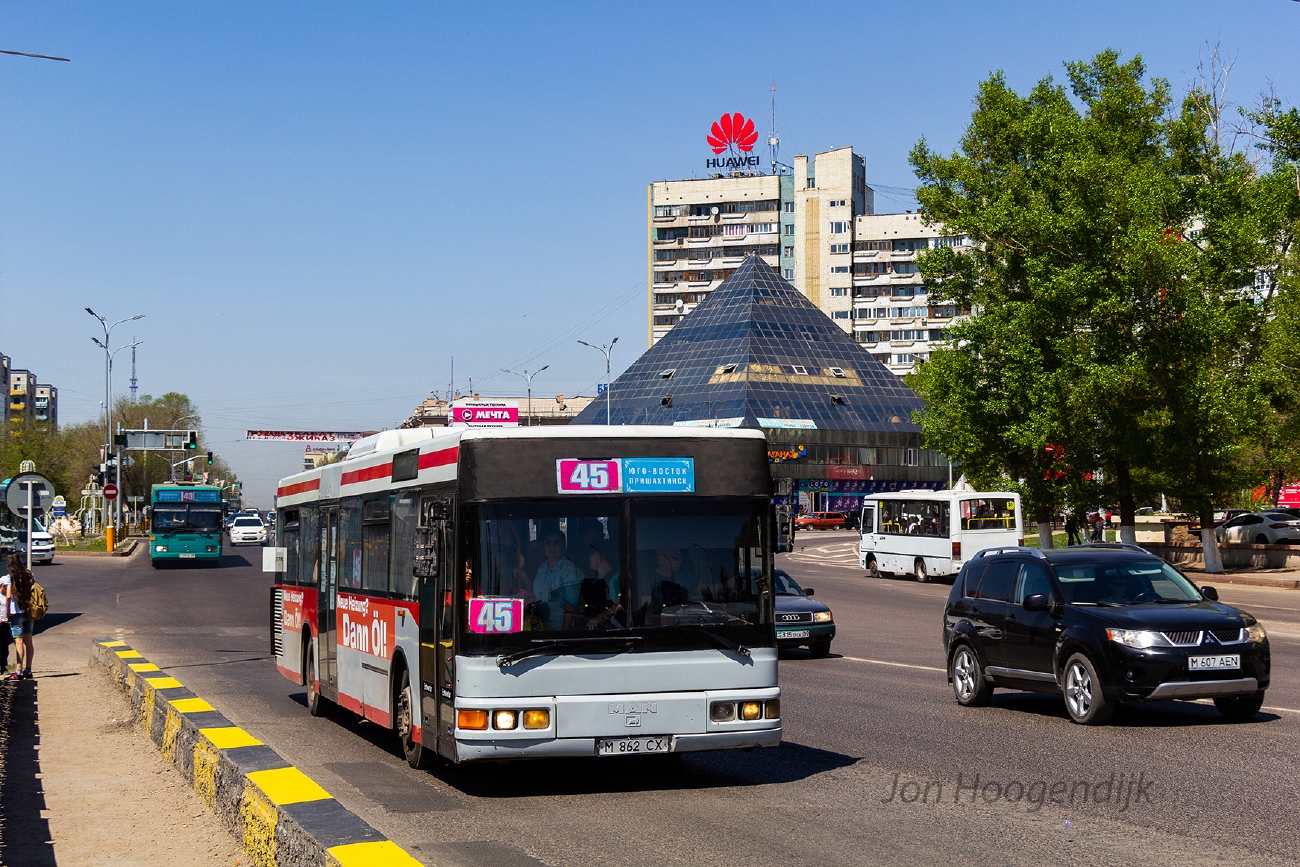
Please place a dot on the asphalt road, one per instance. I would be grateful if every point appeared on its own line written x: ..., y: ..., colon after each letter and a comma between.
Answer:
x: 879, y: 764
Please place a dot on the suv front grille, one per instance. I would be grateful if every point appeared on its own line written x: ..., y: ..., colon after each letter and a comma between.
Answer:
x: 1227, y: 636
x: 1185, y: 638
x: 785, y: 618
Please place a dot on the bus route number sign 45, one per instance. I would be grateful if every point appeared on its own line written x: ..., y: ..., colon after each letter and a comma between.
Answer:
x: 575, y: 476
x: 496, y: 616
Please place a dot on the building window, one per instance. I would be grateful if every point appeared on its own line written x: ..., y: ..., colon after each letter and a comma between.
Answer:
x: 668, y: 210
x: 837, y: 292
x: 952, y: 241
x: 789, y: 252
x: 840, y: 269
x: 837, y: 203
x: 840, y: 314
x: 789, y: 273
x: 789, y: 207
x: 789, y: 230
x: 839, y: 227
x: 908, y: 334
x: 799, y: 369
x: 763, y: 228
x: 840, y: 248
x: 812, y: 183
x: 910, y: 456
x: 905, y: 268
x: 903, y: 358
x: 943, y: 311
x: 909, y: 312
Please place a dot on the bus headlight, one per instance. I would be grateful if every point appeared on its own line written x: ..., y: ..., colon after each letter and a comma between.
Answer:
x: 772, y: 709
x: 537, y: 719
x: 722, y: 711
x: 471, y: 719
x: 162, y: 549
x: 751, y: 710
x: 505, y: 720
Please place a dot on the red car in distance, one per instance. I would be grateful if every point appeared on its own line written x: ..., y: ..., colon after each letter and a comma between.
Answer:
x: 820, y: 521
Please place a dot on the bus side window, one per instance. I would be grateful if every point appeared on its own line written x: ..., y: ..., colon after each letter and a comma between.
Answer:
x: 401, y: 571
x: 374, y: 545
x: 309, y: 536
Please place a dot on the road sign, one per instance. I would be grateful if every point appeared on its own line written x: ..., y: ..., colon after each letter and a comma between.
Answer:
x: 160, y: 440
x: 59, y: 507
x: 127, y: 462
x: 110, y: 491
x: 16, y: 493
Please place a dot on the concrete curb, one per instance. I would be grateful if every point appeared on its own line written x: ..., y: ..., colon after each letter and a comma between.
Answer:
x: 282, y: 817
x: 121, y: 552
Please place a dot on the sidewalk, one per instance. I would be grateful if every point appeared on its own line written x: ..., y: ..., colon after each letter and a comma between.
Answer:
x: 79, y: 784
x: 1286, y: 579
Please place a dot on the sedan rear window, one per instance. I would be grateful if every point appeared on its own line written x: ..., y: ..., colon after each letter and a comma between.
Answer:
x: 247, y: 522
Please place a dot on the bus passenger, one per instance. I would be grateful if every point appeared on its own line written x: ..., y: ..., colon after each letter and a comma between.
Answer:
x: 666, y: 590
x: 600, y: 595
x: 557, y: 583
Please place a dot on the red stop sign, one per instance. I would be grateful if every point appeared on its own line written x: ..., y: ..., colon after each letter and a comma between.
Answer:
x: 110, y: 491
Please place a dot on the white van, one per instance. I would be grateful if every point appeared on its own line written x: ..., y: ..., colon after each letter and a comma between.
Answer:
x: 927, y: 533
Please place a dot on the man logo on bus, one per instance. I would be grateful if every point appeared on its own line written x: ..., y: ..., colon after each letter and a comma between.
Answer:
x: 734, y: 131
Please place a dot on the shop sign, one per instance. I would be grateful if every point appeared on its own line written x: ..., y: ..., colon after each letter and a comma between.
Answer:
x: 735, y: 134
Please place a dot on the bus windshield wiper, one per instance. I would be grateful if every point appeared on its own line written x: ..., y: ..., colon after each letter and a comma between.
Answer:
x: 724, y: 642
x: 543, y: 646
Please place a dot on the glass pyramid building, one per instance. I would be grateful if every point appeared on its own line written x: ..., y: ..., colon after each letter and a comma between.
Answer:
x: 757, y: 353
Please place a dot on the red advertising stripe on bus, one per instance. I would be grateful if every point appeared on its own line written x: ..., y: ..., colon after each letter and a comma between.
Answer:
x: 369, y: 474
x: 298, y: 488
x: 440, y: 458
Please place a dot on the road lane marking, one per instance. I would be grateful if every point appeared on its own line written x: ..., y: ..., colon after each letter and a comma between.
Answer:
x: 895, y: 664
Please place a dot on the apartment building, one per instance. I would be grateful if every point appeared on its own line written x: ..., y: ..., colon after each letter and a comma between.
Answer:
x: 893, y: 317
x: 817, y: 226
x: 22, y: 388
x: 45, y: 408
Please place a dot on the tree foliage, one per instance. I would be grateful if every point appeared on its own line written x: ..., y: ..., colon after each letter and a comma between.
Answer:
x: 1112, y: 327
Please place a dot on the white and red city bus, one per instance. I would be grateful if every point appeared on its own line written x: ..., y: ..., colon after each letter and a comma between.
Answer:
x: 517, y: 592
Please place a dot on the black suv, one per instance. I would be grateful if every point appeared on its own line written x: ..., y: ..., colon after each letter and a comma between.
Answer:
x: 1099, y: 624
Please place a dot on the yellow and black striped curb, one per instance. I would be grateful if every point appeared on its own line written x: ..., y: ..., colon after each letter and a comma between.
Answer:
x: 282, y: 816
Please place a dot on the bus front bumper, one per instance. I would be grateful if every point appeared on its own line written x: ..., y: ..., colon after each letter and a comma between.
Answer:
x: 474, y: 751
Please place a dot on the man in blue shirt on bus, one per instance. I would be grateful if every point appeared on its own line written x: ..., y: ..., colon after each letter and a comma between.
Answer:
x: 558, y: 583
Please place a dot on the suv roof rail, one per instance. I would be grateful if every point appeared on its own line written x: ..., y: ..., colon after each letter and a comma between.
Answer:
x: 1122, y: 546
x: 1023, y: 549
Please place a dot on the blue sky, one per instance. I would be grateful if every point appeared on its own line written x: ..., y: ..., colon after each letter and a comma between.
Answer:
x: 317, y: 205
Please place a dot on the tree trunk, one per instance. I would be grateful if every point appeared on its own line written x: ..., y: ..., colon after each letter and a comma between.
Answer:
x: 1210, y: 545
x: 1127, y: 503
x: 1044, y: 535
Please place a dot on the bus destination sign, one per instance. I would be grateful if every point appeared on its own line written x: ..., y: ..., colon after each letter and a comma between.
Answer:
x: 625, y: 476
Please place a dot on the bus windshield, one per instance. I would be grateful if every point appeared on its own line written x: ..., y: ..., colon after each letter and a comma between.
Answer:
x: 658, y: 568
x: 180, y: 518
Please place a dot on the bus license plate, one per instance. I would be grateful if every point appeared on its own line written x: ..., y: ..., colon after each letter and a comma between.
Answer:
x: 1213, y: 663
x: 632, y: 746
x: 794, y: 633
x: 187, y: 556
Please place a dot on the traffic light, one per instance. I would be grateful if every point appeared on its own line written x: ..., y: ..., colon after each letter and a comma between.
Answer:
x: 209, y: 458
x: 193, y: 442
x: 119, y: 440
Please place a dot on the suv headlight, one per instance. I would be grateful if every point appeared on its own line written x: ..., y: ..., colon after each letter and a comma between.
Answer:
x: 1255, y: 634
x: 1141, y: 638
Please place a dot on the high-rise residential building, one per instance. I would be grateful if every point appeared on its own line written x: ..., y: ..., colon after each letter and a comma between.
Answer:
x: 816, y: 225
x: 45, y: 408
x: 22, y: 385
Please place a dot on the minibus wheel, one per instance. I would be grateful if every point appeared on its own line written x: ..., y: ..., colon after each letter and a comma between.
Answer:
x: 921, y: 575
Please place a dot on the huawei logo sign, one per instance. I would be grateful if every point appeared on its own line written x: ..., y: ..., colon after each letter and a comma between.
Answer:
x: 732, y: 129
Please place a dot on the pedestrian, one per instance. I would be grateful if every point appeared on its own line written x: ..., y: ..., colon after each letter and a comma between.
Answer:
x: 1072, y: 530
x: 16, y: 596
x: 5, y: 638
x: 1098, y: 528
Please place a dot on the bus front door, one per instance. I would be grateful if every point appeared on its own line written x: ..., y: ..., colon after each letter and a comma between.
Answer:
x: 327, y: 647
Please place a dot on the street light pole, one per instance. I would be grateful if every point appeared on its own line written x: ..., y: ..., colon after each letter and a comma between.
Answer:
x: 528, y: 378
x: 108, y: 378
x: 606, y: 348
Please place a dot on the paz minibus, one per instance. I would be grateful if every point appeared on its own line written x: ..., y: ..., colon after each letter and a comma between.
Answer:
x: 520, y: 592
x: 927, y: 533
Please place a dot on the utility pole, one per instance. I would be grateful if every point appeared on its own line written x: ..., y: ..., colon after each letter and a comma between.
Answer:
x: 108, y: 404
x: 528, y: 378
x: 606, y: 348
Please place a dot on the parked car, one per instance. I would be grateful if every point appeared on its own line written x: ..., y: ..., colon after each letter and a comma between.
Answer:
x: 1260, y: 528
x: 1099, y: 625
x: 801, y: 620
x: 247, y: 530
x: 820, y: 521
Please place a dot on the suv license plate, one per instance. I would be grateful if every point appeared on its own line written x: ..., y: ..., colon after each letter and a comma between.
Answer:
x: 793, y: 633
x: 1213, y: 663
x: 187, y: 556
x: 632, y: 746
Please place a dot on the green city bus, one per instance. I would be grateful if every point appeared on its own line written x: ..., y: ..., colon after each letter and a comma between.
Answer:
x: 185, y: 524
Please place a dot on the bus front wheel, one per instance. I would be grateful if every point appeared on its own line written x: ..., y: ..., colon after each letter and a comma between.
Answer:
x: 417, y: 755
x: 316, y: 704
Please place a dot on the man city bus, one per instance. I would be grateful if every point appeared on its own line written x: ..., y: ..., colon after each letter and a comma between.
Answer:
x: 519, y: 592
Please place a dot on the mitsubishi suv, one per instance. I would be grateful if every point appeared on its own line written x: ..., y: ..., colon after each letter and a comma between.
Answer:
x: 1100, y: 625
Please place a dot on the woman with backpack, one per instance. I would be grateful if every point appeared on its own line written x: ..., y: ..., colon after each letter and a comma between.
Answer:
x: 16, y: 596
